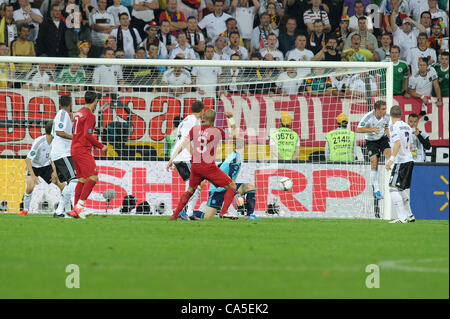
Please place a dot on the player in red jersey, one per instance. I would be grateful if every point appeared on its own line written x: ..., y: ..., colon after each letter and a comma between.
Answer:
x: 202, y: 141
x: 82, y: 142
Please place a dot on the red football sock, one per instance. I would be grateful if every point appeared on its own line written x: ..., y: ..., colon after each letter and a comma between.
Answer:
x: 183, y: 201
x: 78, y: 191
x: 87, y: 189
x: 229, y: 195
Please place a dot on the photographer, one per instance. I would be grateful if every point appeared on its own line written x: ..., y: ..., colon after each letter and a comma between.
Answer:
x: 328, y: 52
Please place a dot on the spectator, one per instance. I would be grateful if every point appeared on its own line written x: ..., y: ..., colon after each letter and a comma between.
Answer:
x: 51, y: 37
x: 342, y: 33
x: 73, y: 35
x: 260, y: 33
x: 419, y: 140
x: 300, y: 53
x: 231, y: 25
x: 142, y: 75
x: 317, y: 84
x: 437, y: 41
x: 210, y: 5
x: 328, y: 52
x: 334, y: 10
x: 83, y: 48
x: 152, y: 52
x: 109, y: 43
x: 356, y: 52
x: 420, y: 52
x: 316, y: 40
x: 8, y: 28
x: 235, y: 48
x: 194, y: 37
x: 286, y: 40
x: 426, y: 22
x: 21, y: 46
x: 349, y: 6
x: 7, y: 70
x: 39, y: 77
x: 341, y: 142
x: 417, y: 8
x: 102, y: 24
x: 176, y: 18
x: 315, y: 13
x: 421, y: 84
x: 354, y: 20
x: 272, y: 49
x: 219, y: 44
x: 46, y: 6
x: 72, y: 74
x: 152, y: 30
x: 289, y: 81
x: 116, y: 9
x: 128, y: 38
x: 268, y: 78
x: 166, y: 37
x: 385, y: 10
x: 442, y: 74
x: 401, y: 73
x: 231, y: 75
x: 207, y: 78
x: 437, y: 13
x: 214, y: 23
x: 143, y: 13
x: 403, y: 37
x: 107, y: 78
x: 295, y: 10
x: 384, y: 52
x: 362, y: 85
x: 368, y: 40
x: 245, y: 15
x: 175, y: 81
x: 339, y: 85
x: 275, y: 19
x: 192, y: 8
x: 30, y: 16
x: 183, y: 48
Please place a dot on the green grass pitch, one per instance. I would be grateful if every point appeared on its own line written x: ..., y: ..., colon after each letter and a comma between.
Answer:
x: 151, y: 257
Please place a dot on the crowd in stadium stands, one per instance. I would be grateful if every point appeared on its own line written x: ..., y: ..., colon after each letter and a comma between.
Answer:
x: 411, y: 33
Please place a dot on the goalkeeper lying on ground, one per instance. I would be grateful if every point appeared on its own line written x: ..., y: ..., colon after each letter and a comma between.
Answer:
x: 232, y: 166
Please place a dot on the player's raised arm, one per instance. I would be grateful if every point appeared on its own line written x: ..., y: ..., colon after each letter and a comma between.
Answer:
x: 232, y: 123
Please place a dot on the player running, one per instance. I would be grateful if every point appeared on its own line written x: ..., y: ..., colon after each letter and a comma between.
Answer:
x: 182, y: 161
x: 203, y: 140
x: 60, y: 154
x: 402, y: 159
x: 375, y: 124
x: 39, y: 165
x: 82, y: 142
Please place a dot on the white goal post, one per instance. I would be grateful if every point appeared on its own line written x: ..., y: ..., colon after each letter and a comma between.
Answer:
x: 148, y: 108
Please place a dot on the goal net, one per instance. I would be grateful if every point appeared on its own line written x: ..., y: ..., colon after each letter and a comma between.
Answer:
x: 284, y: 111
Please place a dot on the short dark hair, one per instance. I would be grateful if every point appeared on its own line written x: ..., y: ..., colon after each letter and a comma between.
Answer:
x: 235, y: 54
x: 445, y: 53
x: 422, y: 34
x: 425, y: 12
x: 318, y: 21
x: 177, y: 120
x: 65, y: 100
x: 396, y: 111
x: 48, y: 127
x: 396, y: 47
x: 21, y: 26
x: 378, y: 104
x: 190, y: 18
x: 362, y: 18
x: 197, y: 106
x: 413, y: 115
x: 55, y: 5
x: 123, y: 14
x: 355, y: 35
x: 107, y: 49
x: 90, y: 96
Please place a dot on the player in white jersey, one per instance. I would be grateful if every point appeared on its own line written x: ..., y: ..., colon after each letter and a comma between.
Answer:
x: 375, y: 125
x: 60, y: 154
x: 420, y: 140
x: 402, y: 164
x: 39, y: 164
x: 183, y: 160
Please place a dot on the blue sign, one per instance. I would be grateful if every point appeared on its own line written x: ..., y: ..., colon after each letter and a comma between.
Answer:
x: 430, y: 192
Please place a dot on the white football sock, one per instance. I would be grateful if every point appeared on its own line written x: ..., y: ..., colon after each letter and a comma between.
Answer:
x: 374, y: 180
x: 397, y: 202
x: 192, y: 202
x: 26, y: 201
x: 405, y: 197
x: 66, y: 196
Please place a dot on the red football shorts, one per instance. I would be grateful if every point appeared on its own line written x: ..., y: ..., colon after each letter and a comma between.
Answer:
x: 211, y: 172
x: 84, y: 165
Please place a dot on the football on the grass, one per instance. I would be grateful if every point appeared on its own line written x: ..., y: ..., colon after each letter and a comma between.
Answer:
x: 286, y: 183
